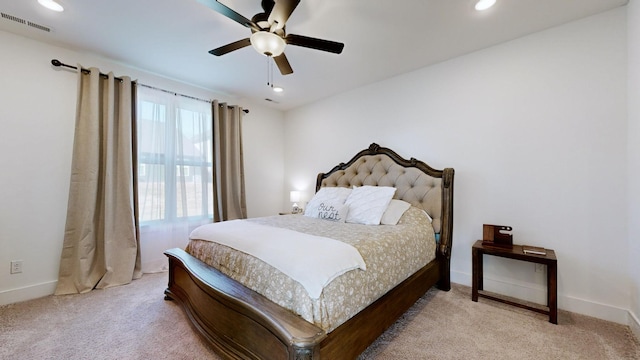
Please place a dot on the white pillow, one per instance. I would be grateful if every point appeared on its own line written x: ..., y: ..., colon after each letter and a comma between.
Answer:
x: 368, y: 203
x: 428, y: 216
x: 394, y: 212
x: 335, y: 196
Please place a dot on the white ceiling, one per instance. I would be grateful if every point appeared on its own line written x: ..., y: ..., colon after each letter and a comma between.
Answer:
x: 382, y: 38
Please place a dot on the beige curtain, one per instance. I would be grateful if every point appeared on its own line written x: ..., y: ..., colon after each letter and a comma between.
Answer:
x: 101, y: 247
x: 229, y: 201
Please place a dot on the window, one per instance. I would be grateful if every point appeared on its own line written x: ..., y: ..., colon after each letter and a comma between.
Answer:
x: 174, y: 158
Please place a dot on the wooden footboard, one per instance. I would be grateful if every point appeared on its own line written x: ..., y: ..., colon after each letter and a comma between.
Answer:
x: 242, y: 324
x: 238, y: 322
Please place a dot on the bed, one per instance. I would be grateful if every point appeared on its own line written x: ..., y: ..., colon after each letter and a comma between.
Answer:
x: 241, y: 319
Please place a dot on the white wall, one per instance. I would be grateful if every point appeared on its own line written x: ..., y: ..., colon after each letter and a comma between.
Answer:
x: 536, y: 131
x: 37, y: 119
x: 633, y: 45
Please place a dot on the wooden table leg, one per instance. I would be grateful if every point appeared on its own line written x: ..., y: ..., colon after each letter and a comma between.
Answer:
x: 476, y: 276
x: 480, y: 270
x: 552, y: 291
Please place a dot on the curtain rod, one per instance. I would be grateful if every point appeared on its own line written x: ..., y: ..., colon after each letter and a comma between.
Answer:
x: 56, y: 62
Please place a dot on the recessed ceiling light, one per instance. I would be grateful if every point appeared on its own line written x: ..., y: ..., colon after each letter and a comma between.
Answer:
x: 484, y: 4
x: 278, y: 89
x: 51, y: 5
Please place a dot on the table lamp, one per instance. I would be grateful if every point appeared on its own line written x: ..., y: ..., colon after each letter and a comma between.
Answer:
x: 294, y: 197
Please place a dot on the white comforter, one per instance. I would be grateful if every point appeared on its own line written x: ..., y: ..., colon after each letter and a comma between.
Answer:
x: 313, y: 261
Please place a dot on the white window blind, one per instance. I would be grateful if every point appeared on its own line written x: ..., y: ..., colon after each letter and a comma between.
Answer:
x: 174, y: 171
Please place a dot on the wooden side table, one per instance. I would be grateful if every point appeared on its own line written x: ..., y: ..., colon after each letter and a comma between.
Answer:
x: 515, y: 252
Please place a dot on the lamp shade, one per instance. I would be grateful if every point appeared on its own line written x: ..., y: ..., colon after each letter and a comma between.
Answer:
x: 267, y: 43
x: 294, y: 196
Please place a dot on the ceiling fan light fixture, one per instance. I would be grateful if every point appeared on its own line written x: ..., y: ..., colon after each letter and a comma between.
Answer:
x: 51, y: 5
x: 267, y: 43
x: 482, y: 5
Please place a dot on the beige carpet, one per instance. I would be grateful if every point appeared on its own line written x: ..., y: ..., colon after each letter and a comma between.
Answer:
x: 135, y: 322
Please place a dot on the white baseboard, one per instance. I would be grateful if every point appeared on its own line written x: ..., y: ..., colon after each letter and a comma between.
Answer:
x: 154, y: 266
x: 634, y: 325
x: 526, y: 292
x: 594, y: 309
x: 28, y: 292
x: 537, y: 294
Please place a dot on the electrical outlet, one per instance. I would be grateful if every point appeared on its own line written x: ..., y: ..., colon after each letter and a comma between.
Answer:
x: 539, y: 268
x: 16, y: 266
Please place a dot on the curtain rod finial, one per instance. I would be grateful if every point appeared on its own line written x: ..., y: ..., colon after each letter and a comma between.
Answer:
x: 56, y: 62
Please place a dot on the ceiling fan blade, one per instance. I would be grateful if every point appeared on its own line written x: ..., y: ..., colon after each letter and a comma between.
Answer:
x: 313, y: 43
x: 224, y: 10
x: 230, y: 47
x: 281, y: 12
x: 283, y: 64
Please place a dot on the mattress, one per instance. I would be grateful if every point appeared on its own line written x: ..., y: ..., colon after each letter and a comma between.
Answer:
x: 391, y: 252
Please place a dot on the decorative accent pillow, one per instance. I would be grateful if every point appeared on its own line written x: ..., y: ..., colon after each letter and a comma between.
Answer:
x: 394, y: 212
x: 336, y: 212
x: 368, y: 203
x: 331, y: 196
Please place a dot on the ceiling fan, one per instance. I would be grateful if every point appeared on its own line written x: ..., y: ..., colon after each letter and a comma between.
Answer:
x: 268, y: 32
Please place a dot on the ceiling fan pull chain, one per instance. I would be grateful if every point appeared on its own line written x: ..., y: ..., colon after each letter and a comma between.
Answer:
x: 269, y: 69
x: 267, y: 72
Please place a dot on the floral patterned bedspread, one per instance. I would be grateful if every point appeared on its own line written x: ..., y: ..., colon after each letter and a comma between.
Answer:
x: 391, y: 252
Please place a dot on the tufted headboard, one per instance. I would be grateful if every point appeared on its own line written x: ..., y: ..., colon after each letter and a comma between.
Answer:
x: 416, y: 182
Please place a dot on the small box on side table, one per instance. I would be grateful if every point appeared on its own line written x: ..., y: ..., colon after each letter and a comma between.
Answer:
x: 516, y: 252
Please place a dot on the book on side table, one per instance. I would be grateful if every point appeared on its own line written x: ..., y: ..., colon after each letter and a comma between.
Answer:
x: 533, y: 250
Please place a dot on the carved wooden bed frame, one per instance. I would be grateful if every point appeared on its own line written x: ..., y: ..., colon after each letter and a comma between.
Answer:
x: 242, y: 324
